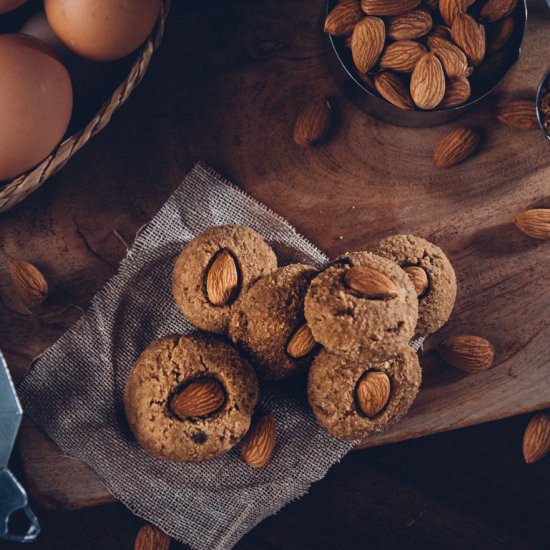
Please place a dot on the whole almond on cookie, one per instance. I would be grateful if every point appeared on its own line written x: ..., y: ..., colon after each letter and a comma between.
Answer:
x: 458, y: 91
x: 402, y: 56
x: 518, y: 113
x: 535, y: 223
x: 392, y: 89
x: 199, y: 398
x: 301, y: 343
x: 467, y: 353
x: 388, y: 7
x: 29, y: 282
x: 409, y: 26
x: 428, y: 82
x: 455, y: 147
x: 222, y: 278
x: 536, y: 439
x: 259, y: 443
x: 370, y: 282
x: 373, y: 393
x: 343, y: 17
x: 150, y: 537
x: 453, y: 59
x: 469, y: 35
x: 313, y: 122
x: 419, y: 278
x: 367, y: 43
x: 493, y: 10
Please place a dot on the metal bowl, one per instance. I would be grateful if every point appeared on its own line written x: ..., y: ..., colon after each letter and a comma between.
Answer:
x: 544, y: 83
x: 485, y: 79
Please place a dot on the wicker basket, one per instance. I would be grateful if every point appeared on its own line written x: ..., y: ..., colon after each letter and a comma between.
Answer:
x: 15, y: 191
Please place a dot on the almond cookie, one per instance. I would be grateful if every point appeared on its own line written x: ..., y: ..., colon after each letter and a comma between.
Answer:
x: 212, y: 271
x: 433, y: 274
x: 220, y: 390
x: 268, y: 322
x: 362, y: 305
x: 353, y: 399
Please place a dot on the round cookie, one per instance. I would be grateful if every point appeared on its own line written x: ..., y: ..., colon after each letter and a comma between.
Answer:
x: 348, y: 322
x: 437, y: 301
x: 252, y: 258
x: 164, y: 369
x: 332, y: 386
x: 266, y: 317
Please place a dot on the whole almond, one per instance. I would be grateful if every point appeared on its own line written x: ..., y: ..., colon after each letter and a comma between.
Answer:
x: 150, y: 537
x: 536, y: 439
x: 343, y: 17
x: 29, y: 282
x: 313, y: 122
x: 402, y: 56
x: 442, y: 31
x: 458, y: 91
x: 301, y: 343
x: 535, y: 223
x: 259, y: 443
x: 469, y: 35
x: 453, y: 59
x: 408, y: 26
x: 199, y: 398
x: 455, y: 147
x: 449, y: 9
x: 467, y: 353
x: 518, y: 113
x: 500, y: 33
x: 373, y: 393
x: 419, y: 278
x: 222, y: 278
x: 428, y: 82
x: 392, y: 89
x: 493, y: 10
x: 388, y: 7
x: 371, y: 283
x: 367, y: 42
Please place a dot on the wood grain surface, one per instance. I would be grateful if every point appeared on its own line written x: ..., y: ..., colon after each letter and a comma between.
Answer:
x: 225, y: 88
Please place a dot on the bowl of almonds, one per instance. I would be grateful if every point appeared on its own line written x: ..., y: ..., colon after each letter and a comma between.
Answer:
x: 543, y: 105
x: 423, y: 62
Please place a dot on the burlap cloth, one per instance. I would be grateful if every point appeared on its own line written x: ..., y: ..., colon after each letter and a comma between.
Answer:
x: 74, y: 391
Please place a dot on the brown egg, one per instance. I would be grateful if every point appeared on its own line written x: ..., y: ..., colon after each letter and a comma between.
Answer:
x: 36, y: 101
x: 8, y: 5
x: 102, y: 30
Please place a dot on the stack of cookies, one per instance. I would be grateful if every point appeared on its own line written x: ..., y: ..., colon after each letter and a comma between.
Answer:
x: 347, y: 327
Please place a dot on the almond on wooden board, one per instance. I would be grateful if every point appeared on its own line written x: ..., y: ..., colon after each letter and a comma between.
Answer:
x: 371, y: 283
x: 222, y: 278
x: 402, y: 56
x: 301, y: 343
x: 150, y: 537
x: 418, y: 277
x: 518, y: 113
x: 536, y: 438
x: 455, y: 147
x: 259, y: 443
x: 408, y: 26
x: 428, y: 82
x: 393, y: 89
x: 388, y: 7
x: 313, y: 122
x: 449, y: 9
x: 493, y: 10
x: 199, y: 398
x: 458, y: 91
x: 535, y: 223
x: 372, y: 393
x: 499, y: 33
x: 343, y: 17
x: 453, y: 59
x: 469, y: 35
x: 467, y: 353
x: 29, y: 282
x: 367, y: 42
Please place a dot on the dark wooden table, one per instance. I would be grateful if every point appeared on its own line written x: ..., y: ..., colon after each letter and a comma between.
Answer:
x: 464, y: 489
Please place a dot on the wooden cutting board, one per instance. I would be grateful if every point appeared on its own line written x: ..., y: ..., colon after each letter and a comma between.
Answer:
x: 226, y: 87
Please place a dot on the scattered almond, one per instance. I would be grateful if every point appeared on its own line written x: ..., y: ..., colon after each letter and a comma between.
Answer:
x: 536, y: 439
x: 428, y: 82
x: 341, y: 20
x: 259, y: 443
x: 457, y: 92
x: 453, y: 59
x: 388, y: 7
x: 367, y: 43
x: 402, y: 56
x: 518, y: 113
x: 451, y: 8
x: 458, y: 145
x: 301, y: 343
x: 493, y: 10
x: 313, y: 122
x: 150, y: 537
x: 29, y: 282
x: 419, y: 278
x: 392, y: 89
x: 467, y: 353
x: 535, y: 223
x: 469, y: 35
x: 370, y: 282
x: 373, y: 393
x: 199, y: 398
x: 499, y: 33
x: 408, y: 26
x: 222, y: 279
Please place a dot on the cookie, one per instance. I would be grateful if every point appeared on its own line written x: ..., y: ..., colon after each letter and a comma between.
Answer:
x: 333, y: 392
x: 437, y: 291
x: 212, y: 271
x: 266, y: 318
x: 163, y: 371
x: 362, y: 305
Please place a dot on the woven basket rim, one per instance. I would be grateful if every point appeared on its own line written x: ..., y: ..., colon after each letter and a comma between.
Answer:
x: 14, y: 191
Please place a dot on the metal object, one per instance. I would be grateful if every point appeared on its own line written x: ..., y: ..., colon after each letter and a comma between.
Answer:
x: 12, y: 495
x: 484, y: 80
x: 543, y: 87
